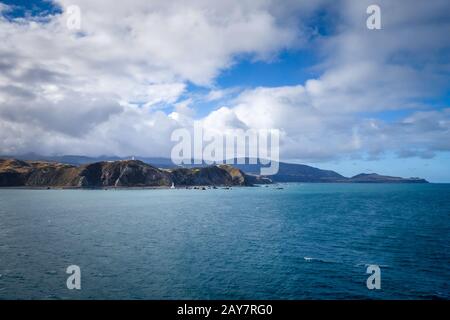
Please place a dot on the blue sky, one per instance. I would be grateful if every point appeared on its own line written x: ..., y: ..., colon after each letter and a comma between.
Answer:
x: 288, y: 68
x: 346, y: 98
x: 22, y: 8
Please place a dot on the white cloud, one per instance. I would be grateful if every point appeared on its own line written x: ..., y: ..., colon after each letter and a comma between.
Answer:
x: 102, y: 90
x: 78, y: 91
x: 309, y: 134
x: 163, y: 93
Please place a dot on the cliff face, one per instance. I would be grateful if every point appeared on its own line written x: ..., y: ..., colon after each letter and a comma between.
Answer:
x: 125, y: 173
x: 52, y: 174
x: 129, y: 173
x: 13, y: 172
x: 212, y: 175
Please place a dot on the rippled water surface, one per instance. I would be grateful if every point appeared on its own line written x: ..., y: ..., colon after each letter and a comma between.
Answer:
x: 306, y: 241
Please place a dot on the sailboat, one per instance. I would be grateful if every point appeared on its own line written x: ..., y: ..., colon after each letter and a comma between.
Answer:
x: 173, y: 186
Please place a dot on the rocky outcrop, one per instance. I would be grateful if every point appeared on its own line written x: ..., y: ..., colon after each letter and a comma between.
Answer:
x: 127, y: 173
x: 212, y: 175
x: 14, y: 172
x: 51, y: 174
x: 258, y: 179
x: 237, y: 176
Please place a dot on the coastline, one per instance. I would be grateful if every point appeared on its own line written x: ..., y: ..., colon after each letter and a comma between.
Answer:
x: 209, y: 187
x: 204, y: 187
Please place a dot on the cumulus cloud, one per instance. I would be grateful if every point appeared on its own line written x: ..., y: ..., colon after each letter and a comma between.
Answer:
x: 365, y: 74
x: 310, y: 134
x: 104, y: 82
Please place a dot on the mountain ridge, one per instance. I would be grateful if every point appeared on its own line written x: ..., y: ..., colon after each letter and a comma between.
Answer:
x: 288, y: 172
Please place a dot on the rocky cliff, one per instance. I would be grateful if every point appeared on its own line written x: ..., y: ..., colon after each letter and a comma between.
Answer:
x: 126, y: 173
x: 212, y: 175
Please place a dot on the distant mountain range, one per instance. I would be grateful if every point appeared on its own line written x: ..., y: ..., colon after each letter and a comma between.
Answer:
x: 291, y: 172
x: 288, y: 172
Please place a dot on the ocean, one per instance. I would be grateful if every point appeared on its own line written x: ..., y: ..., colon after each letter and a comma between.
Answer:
x: 305, y: 241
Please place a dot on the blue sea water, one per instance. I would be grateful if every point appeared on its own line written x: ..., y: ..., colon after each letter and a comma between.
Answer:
x: 306, y: 241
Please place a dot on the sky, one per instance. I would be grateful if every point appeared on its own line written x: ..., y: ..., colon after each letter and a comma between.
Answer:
x: 344, y: 97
